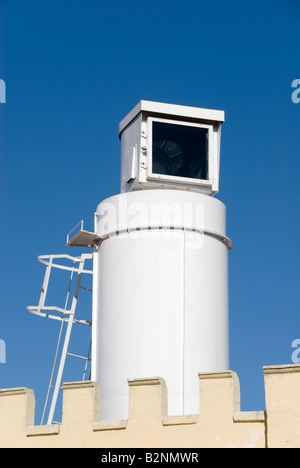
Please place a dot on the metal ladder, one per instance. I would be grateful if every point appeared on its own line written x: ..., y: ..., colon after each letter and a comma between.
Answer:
x: 66, y: 316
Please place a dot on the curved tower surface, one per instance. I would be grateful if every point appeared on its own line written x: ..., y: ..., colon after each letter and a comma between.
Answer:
x: 160, y: 293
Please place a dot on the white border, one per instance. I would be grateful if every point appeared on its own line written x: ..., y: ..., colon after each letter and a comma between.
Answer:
x: 180, y: 180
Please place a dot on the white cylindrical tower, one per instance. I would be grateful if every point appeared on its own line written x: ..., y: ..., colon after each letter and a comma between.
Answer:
x: 160, y: 293
x: 162, y: 302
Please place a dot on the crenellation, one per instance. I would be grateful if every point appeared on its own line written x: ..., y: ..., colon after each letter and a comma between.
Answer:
x: 220, y: 422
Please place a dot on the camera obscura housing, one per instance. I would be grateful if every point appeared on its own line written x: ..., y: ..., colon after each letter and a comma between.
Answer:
x: 172, y: 147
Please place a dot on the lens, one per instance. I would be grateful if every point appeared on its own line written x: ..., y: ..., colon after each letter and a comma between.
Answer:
x: 180, y: 150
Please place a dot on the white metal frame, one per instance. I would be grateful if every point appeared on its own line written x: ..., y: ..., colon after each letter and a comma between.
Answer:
x: 72, y: 230
x: 67, y: 316
x: 163, y: 109
x: 182, y: 180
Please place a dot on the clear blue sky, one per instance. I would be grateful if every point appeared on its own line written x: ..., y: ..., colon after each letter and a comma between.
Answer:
x: 73, y: 70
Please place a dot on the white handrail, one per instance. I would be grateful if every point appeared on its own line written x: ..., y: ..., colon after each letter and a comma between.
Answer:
x: 42, y: 259
x: 81, y: 228
x: 36, y: 311
x: 63, y: 314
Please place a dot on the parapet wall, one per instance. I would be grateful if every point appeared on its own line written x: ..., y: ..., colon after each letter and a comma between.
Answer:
x: 220, y: 423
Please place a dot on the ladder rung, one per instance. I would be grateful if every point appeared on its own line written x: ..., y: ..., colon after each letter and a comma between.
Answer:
x: 80, y: 357
x: 86, y: 289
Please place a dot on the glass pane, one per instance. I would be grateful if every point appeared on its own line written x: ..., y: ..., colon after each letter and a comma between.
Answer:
x: 179, y: 150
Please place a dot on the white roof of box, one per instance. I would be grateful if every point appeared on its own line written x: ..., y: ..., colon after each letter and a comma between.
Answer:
x: 169, y: 110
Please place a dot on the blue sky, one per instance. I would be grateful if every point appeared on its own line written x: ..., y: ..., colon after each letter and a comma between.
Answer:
x: 73, y: 70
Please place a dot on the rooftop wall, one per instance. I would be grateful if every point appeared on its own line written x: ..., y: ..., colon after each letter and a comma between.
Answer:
x: 220, y: 423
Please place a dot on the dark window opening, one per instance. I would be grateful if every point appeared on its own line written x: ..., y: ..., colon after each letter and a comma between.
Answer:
x: 180, y: 150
